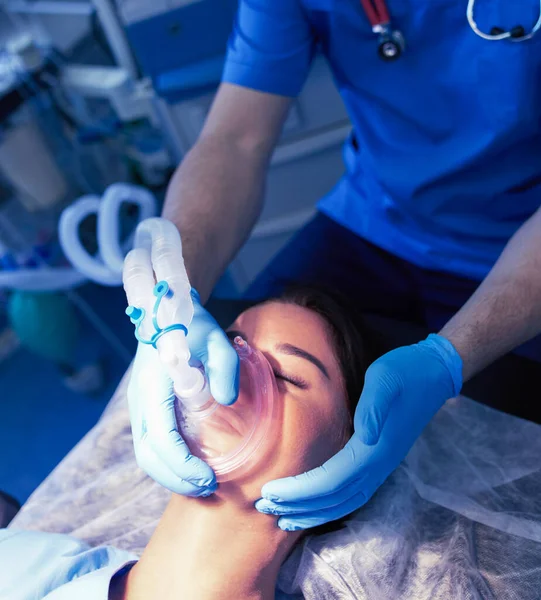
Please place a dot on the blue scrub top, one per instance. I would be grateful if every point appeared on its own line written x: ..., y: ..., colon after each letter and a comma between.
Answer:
x: 448, y: 163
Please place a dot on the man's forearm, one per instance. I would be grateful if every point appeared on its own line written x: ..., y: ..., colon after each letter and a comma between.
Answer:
x: 214, y: 198
x: 505, y: 311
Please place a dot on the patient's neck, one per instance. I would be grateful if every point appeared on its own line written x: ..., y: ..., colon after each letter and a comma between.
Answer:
x: 217, y: 548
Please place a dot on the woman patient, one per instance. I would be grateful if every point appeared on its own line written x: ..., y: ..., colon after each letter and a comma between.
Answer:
x: 220, y: 547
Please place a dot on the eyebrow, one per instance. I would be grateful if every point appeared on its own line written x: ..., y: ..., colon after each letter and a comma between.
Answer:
x: 290, y: 350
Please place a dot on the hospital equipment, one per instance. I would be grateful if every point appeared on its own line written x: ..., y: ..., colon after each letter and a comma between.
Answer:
x: 388, y: 420
x: 132, y: 126
x: 129, y: 97
x: 45, y: 323
x: 38, y: 187
x: 459, y: 518
x: 516, y: 34
x: 158, y: 250
x: 106, y: 267
x: 179, y: 44
x: 233, y: 440
x: 228, y: 439
x: 34, y: 125
x: 30, y: 257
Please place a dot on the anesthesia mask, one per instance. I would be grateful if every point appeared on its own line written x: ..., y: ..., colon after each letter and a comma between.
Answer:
x: 230, y: 439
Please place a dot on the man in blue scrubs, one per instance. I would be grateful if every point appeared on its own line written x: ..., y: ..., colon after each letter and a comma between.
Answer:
x: 436, y: 219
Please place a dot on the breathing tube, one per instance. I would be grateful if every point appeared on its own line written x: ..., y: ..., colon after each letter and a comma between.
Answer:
x: 106, y: 266
x: 229, y: 439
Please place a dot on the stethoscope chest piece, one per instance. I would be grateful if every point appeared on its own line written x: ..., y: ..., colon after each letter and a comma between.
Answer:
x: 391, y: 45
x: 391, y: 42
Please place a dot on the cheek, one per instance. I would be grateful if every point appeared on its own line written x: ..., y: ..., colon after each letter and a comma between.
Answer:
x: 306, y: 434
x: 311, y: 434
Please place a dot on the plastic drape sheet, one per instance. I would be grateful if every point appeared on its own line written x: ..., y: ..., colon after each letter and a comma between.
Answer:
x: 460, y: 518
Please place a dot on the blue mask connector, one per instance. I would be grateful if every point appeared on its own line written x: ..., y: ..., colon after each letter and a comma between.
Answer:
x: 137, y: 316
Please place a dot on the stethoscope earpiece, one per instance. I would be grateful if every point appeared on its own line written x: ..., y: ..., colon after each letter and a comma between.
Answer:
x: 517, y: 34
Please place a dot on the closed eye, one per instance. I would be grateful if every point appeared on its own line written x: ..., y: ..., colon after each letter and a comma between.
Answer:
x: 296, y: 381
x: 291, y: 379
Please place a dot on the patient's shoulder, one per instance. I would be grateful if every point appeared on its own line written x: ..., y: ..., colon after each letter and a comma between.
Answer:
x: 36, y: 563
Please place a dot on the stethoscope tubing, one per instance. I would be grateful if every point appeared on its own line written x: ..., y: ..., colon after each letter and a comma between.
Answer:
x: 506, y: 35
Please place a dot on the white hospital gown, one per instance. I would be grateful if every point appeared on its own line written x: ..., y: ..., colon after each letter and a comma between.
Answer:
x: 49, y: 566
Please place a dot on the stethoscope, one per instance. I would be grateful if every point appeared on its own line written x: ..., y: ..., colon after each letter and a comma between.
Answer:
x: 392, y: 43
x: 517, y: 34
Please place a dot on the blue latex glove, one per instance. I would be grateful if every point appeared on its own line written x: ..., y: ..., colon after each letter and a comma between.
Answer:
x: 159, y: 449
x: 403, y: 390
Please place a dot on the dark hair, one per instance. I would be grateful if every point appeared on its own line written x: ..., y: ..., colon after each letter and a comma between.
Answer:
x: 347, y: 332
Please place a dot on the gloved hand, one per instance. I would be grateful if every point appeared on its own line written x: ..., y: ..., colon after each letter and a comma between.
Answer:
x: 159, y: 449
x: 403, y: 390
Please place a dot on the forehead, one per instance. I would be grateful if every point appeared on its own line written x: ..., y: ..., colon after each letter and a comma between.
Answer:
x: 276, y: 319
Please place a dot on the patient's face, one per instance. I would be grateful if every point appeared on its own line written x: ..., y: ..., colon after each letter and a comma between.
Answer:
x: 313, y: 415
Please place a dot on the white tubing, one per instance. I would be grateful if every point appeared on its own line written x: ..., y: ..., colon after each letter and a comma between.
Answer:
x: 108, y: 223
x: 106, y: 267
x: 91, y: 266
x: 157, y: 256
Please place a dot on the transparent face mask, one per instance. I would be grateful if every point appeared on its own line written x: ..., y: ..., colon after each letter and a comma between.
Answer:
x: 232, y: 439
